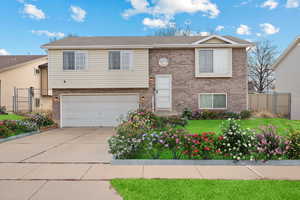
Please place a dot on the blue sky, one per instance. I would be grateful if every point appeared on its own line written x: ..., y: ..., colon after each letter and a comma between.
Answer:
x: 27, y: 24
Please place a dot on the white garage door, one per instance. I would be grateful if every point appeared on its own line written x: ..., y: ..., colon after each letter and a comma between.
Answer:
x: 88, y: 111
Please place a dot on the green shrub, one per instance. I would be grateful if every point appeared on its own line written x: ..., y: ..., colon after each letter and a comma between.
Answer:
x: 5, y: 132
x: 293, y: 141
x: 176, y: 121
x: 237, y: 143
x: 187, y: 113
x: 3, y: 110
x: 245, y: 114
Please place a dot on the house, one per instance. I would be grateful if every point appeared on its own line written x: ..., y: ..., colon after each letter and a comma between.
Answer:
x: 95, y: 80
x: 23, y: 83
x: 287, y: 72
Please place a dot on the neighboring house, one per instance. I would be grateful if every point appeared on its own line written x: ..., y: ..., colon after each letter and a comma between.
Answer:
x: 26, y: 74
x: 287, y: 73
x: 98, y: 79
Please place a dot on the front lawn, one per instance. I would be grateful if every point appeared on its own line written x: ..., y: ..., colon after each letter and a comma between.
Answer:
x: 199, y: 126
x: 142, y: 189
x: 11, y: 117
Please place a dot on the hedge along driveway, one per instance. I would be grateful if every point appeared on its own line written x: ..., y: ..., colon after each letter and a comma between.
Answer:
x: 200, y: 126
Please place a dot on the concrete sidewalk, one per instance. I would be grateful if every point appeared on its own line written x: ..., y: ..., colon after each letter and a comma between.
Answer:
x: 24, y: 181
x: 102, y: 172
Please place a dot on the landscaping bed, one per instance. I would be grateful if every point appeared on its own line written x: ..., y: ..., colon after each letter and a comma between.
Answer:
x: 147, y: 136
x: 145, y: 189
x: 13, y: 125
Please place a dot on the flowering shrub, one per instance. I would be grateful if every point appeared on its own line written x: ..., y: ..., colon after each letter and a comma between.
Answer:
x: 154, y: 144
x: 5, y: 132
x: 270, y: 145
x: 141, y: 119
x: 200, y: 146
x: 124, y: 147
x: 41, y: 120
x: 293, y: 150
x: 20, y: 125
x: 236, y: 143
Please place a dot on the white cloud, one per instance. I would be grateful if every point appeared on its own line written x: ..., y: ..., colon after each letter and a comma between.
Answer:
x: 243, y: 30
x: 219, y: 28
x: 155, y: 23
x: 269, y: 29
x: 271, y: 4
x: 169, y: 8
x: 204, y: 33
x: 78, y: 14
x: 48, y: 33
x: 258, y: 34
x: 292, y: 4
x: 3, y: 52
x: 33, y: 12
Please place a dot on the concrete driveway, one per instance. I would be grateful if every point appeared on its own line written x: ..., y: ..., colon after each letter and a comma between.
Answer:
x: 68, y: 145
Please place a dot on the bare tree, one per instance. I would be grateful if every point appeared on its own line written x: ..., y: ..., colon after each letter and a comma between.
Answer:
x: 174, y: 30
x: 260, y: 61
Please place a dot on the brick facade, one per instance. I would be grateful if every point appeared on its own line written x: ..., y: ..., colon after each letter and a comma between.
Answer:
x: 185, y: 86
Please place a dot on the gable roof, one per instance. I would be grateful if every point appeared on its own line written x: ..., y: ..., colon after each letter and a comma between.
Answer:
x: 149, y: 41
x: 7, y: 62
x: 286, y: 52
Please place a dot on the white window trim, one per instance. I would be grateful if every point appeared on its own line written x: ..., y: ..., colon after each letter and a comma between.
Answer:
x: 203, y: 75
x: 86, y: 62
x: 131, y: 68
x: 199, y: 103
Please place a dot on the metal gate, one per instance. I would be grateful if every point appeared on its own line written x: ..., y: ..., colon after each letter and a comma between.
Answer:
x: 26, y: 99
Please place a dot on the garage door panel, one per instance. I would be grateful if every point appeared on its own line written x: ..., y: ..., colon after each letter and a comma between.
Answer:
x: 85, y: 111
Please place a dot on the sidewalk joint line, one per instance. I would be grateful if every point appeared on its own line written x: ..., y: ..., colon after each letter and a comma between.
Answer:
x: 88, y: 169
x: 39, y: 189
x: 255, y: 171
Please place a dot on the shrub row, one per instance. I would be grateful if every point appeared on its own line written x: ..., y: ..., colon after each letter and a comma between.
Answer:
x: 143, y: 135
x: 33, y: 123
x: 209, y: 114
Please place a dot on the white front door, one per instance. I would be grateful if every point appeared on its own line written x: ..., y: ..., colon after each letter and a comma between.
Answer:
x: 163, y: 95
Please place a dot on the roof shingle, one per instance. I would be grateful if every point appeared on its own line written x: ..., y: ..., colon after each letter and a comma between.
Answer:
x: 8, y: 61
x: 133, y: 40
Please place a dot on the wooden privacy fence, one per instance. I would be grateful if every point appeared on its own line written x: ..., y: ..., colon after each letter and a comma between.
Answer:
x: 276, y: 103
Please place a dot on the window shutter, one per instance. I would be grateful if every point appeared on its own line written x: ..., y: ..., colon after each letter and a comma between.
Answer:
x: 68, y: 60
x: 206, y: 58
x: 126, y: 60
x: 81, y: 58
x: 114, y: 60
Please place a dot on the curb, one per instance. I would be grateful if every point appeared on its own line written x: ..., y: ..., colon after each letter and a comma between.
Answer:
x: 19, y: 136
x: 207, y: 162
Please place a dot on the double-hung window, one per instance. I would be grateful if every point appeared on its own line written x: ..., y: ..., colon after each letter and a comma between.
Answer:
x: 74, y: 60
x: 120, y: 60
x: 214, y: 62
x: 212, y: 101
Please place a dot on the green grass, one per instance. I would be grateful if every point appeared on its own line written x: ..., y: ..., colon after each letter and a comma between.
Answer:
x: 155, y: 189
x: 199, y: 126
x: 11, y: 117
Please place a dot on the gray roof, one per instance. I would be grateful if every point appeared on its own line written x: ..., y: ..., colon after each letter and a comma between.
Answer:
x: 133, y: 40
x: 8, y: 61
